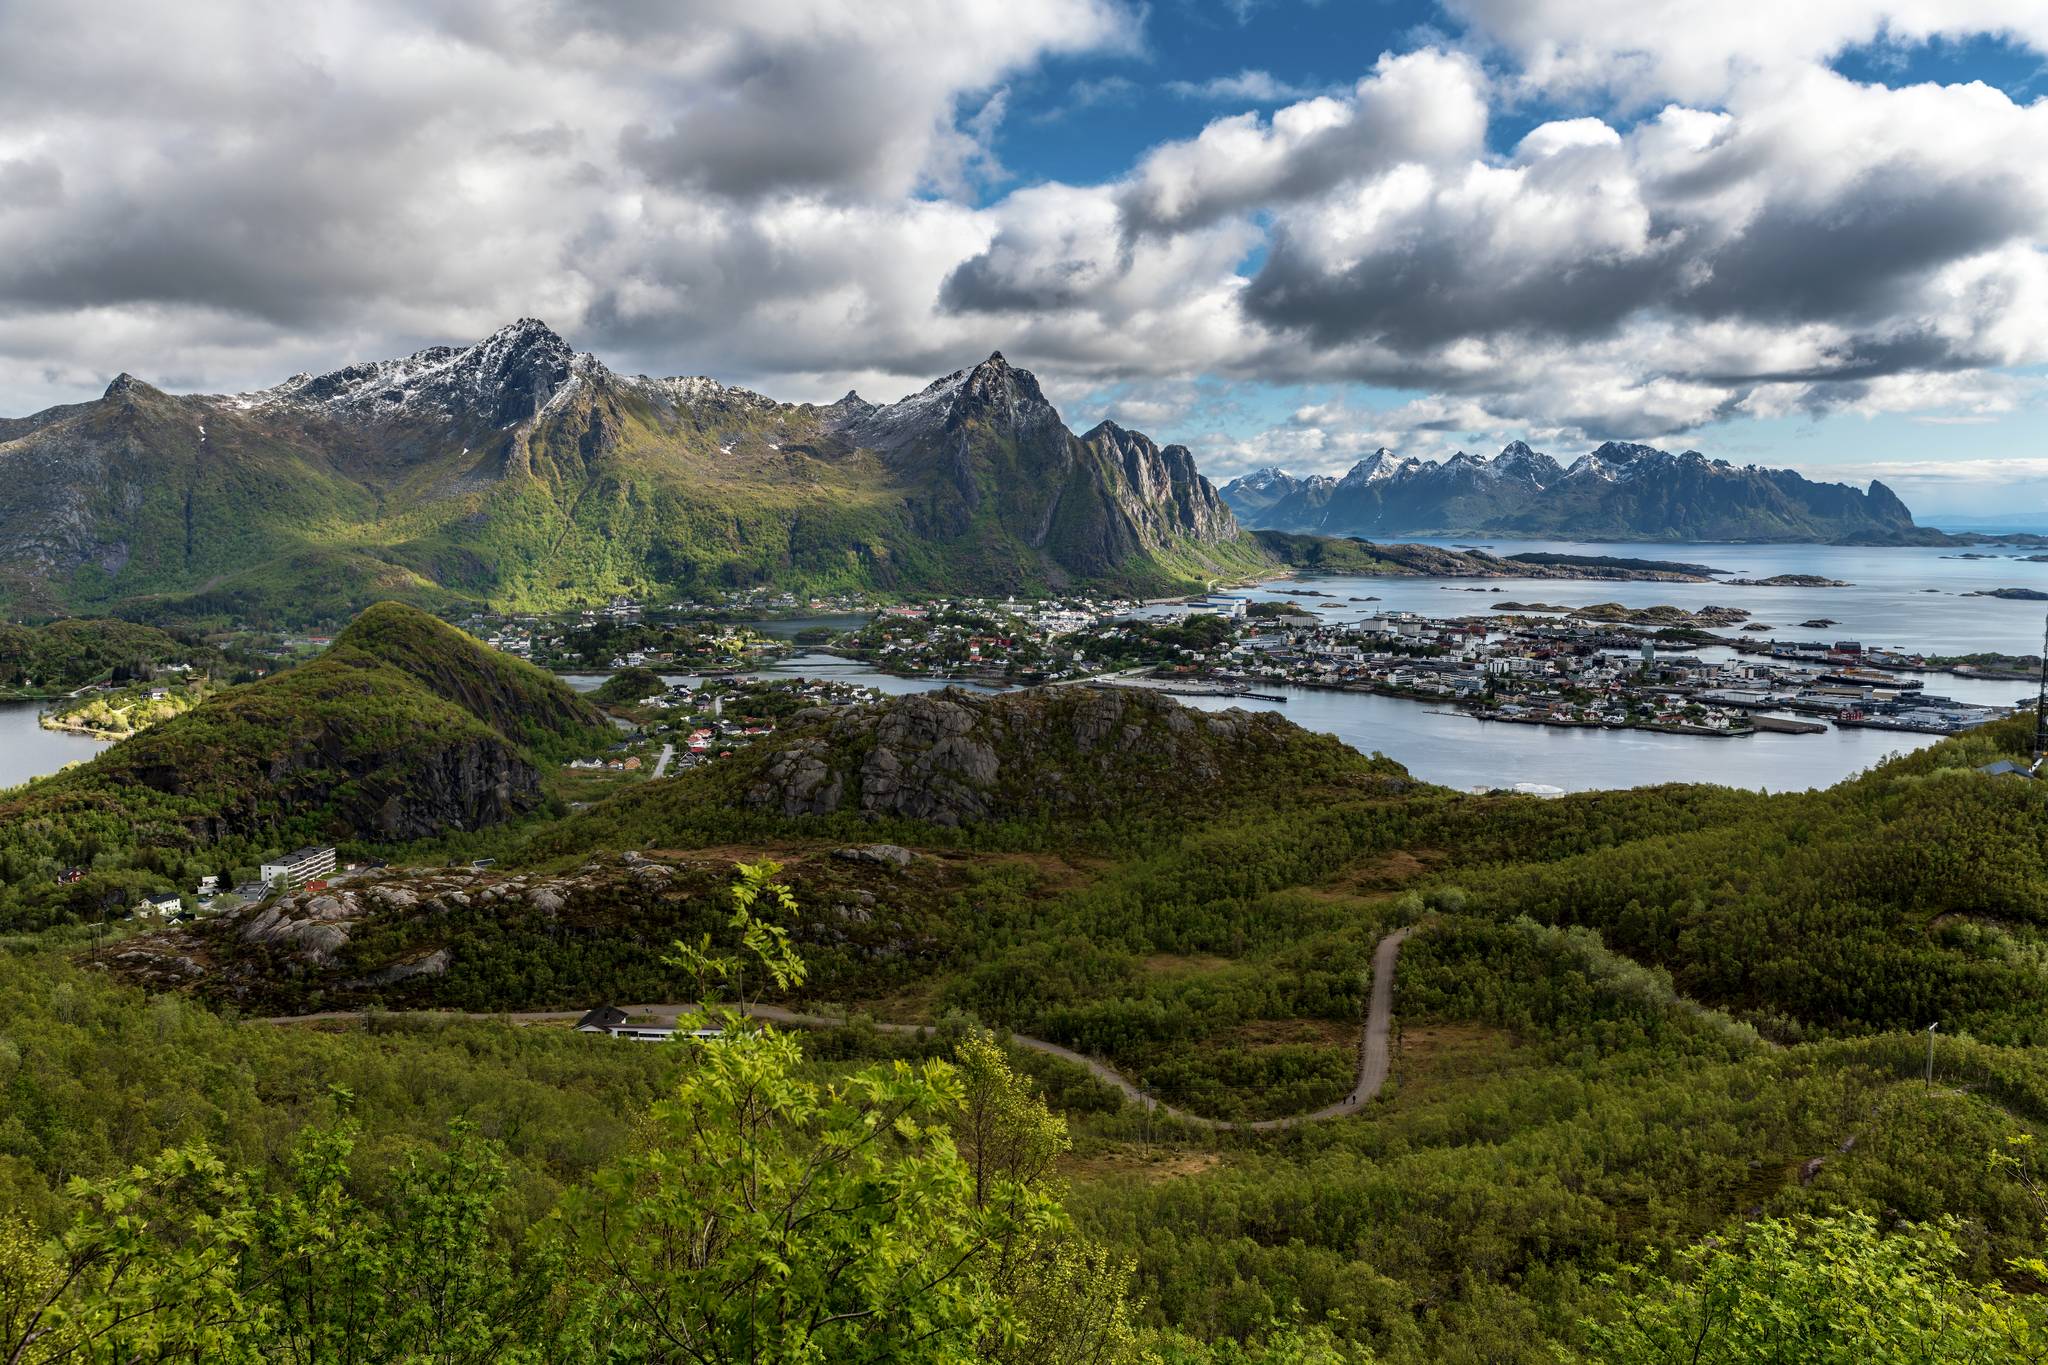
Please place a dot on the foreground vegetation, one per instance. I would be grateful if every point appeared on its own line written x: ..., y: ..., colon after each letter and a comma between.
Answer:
x: 854, y: 1199
x: 1658, y: 1090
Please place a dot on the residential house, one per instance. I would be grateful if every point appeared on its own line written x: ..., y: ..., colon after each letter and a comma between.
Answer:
x: 161, y: 905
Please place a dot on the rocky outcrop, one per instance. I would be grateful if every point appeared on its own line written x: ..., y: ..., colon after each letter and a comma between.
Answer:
x: 953, y: 758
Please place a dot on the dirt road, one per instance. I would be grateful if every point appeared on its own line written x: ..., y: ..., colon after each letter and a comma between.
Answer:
x: 1373, y: 1059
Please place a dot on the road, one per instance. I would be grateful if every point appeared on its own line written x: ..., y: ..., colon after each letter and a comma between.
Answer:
x: 1373, y: 1055
x: 668, y: 751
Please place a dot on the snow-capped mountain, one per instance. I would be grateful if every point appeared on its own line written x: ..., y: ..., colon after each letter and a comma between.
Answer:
x: 1618, y: 491
x: 507, y: 378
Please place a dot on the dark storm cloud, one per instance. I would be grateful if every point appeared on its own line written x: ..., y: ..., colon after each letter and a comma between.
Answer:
x: 1424, y: 293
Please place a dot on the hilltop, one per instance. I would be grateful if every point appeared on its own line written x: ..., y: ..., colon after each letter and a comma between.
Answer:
x: 402, y: 729
x: 518, y: 473
x: 1049, y: 763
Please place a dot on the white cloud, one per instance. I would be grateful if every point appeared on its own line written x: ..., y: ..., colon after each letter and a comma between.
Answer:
x: 204, y: 194
x: 1424, y: 106
x: 1247, y: 86
x: 1649, y: 51
x: 799, y: 193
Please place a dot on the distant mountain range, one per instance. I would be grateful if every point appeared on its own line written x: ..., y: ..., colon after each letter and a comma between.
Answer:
x: 1617, y: 492
x: 521, y: 474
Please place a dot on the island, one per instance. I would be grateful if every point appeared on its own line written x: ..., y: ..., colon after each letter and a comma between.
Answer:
x: 1789, y: 580
x: 1614, y: 613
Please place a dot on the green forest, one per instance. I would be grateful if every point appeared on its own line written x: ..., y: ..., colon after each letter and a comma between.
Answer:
x: 1660, y: 1083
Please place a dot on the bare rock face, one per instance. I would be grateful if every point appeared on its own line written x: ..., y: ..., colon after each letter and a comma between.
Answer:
x: 310, y: 928
x: 433, y: 964
x: 894, y: 855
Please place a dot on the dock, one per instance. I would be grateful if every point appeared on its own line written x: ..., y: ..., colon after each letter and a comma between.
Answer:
x: 1784, y: 725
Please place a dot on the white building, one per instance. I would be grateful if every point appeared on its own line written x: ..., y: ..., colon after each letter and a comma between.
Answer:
x: 299, y: 866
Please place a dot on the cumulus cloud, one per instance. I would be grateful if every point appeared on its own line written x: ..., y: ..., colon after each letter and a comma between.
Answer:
x: 1648, y: 51
x: 800, y: 194
x: 181, y: 186
x: 1834, y: 236
x: 1427, y: 105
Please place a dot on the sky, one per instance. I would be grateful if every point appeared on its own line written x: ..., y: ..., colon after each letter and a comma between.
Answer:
x: 1809, y: 234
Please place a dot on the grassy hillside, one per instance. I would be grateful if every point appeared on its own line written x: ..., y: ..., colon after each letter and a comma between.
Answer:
x: 1609, y: 1041
x: 1073, y: 836
x: 403, y: 729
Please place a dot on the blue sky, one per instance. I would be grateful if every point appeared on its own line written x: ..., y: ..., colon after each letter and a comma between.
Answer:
x: 1280, y: 231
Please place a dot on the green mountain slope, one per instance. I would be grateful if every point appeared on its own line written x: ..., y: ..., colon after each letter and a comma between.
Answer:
x: 517, y: 473
x: 403, y: 729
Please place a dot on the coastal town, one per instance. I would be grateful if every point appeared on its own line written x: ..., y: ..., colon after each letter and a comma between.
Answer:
x: 693, y: 684
x: 1659, y: 668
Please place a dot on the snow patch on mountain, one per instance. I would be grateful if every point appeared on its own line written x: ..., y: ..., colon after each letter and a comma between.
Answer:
x: 510, y: 377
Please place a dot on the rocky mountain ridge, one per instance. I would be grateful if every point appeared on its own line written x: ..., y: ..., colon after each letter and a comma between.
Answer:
x: 1618, y: 491
x: 518, y: 472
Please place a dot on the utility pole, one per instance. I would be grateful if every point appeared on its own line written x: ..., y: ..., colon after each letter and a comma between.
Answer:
x: 2041, y: 709
x: 1930, y: 1054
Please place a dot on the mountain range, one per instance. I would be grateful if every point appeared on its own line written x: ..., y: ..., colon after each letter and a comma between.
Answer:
x: 1620, y: 491
x: 521, y: 474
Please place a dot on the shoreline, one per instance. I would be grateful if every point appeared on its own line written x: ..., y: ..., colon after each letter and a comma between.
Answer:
x: 64, y: 727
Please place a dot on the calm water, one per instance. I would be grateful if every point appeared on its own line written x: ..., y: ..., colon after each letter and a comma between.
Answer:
x: 1442, y: 745
x: 790, y: 627
x: 28, y: 750
x: 1890, y: 604
x: 1909, y: 598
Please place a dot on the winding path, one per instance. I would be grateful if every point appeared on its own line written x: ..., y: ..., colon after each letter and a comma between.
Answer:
x: 668, y: 751
x: 1373, y: 1059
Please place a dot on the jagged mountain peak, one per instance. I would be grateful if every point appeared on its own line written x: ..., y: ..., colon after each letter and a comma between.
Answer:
x: 1381, y: 464
x: 1518, y: 461
x: 994, y: 392
x: 508, y: 377
x: 996, y: 380
x: 126, y: 384
x: 1119, y: 434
